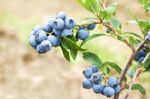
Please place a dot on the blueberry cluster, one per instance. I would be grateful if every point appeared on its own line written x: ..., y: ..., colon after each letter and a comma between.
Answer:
x: 141, y: 54
x: 94, y: 80
x: 83, y: 32
x: 44, y: 37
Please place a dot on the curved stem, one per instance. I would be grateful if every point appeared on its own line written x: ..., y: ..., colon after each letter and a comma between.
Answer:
x: 129, y: 63
x: 132, y: 82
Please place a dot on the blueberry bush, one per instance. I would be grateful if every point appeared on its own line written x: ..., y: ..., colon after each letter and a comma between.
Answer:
x: 64, y: 32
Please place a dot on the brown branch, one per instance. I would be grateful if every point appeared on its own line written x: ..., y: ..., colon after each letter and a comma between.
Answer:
x: 118, y: 34
x: 129, y: 63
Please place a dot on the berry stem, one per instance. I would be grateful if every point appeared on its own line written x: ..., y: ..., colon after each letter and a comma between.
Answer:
x: 132, y: 82
x: 128, y: 65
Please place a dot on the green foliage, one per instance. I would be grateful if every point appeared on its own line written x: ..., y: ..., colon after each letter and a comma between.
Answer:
x: 92, y: 37
x: 139, y: 87
x: 133, y: 38
x: 112, y: 65
x: 65, y: 53
x: 116, y: 24
x: 91, y: 5
x: 92, y: 58
x: 147, y: 63
x: 145, y: 4
x: 108, y: 12
x: 70, y: 48
x: 144, y: 25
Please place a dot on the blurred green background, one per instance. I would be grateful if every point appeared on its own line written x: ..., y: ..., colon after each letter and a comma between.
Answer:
x: 25, y: 74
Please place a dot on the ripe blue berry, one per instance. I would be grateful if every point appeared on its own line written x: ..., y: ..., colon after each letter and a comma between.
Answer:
x: 113, y: 81
x: 117, y: 89
x: 140, y: 55
x: 44, y: 46
x: 54, y: 40
x: 37, y: 28
x: 96, y: 78
x: 32, y: 41
x: 87, y: 84
x: 40, y: 36
x: 61, y: 15
x: 48, y: 27
x: 88, y: 72
x: 57, y: 32
x: 58, y: 24
x: 141, y: 59
x: 91, y: 26
x: 69, y: 23
x: 83, y: 34
x: 98, y: 88
x: 108, y: 91
x: 67, y: 32
x: 94, y: 68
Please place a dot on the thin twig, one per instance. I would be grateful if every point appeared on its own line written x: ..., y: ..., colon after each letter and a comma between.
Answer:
x: 132, y: 82
x: 129, y: 63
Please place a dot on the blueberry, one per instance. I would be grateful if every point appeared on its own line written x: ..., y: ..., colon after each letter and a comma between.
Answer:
x: 98, y: 88
x: 40, y: 36
x: 58, y: 24
x: 140, y: 55
x: 91, y: 26
x: 57, y: 32
x: 96, y: 78
x: 32, y: 41
x: 141, y: 59
x: 32, y: 33
x: 88, y: 72
x: 61, y: 15
x: 87, y: 84
x: 48, y: 27
x: 83, y: 34
x: 54, y: 40
x: 113, y: 81
x: 117, y: 89
x: 37, y: 28
x: 67, y: 32
x: 94, y: 68
x: 108, y: 91
x: 69, y: 23
x: 44, y: 46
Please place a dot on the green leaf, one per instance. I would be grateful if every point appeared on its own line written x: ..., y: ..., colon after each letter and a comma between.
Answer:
x: 138, y: 87
x: 91, y: 37
x: 65, y: 53
x: 92, y: 58
x: 147, y: 63
x: 108, y: 12
x: 132, y: 34
x: 131, y: 73
x: 71, y: 44
x: 132, y: 38
x: 112, y: 65
x: 106, y: 70
x: 116, y: 24
x: 144, y: 25
x: 74, y: 53
x: 91, y: 5
x: 133, y: 41
x: 145, y: 4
